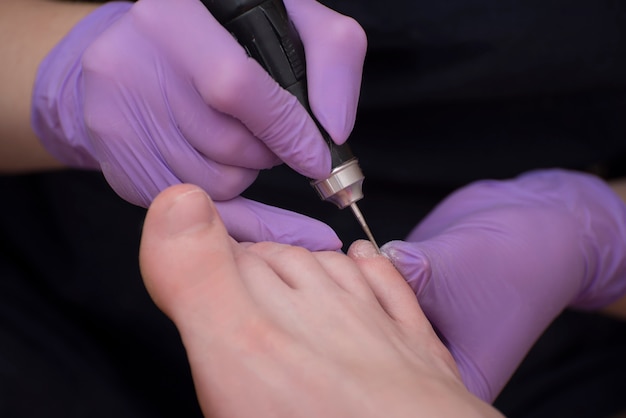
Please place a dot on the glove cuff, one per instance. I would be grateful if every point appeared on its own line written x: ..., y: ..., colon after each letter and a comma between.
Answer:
x: 57, y: 100
x: 601, y: 216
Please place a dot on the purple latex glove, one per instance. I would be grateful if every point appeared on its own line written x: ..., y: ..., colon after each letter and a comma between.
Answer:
x: 497, y: 261
x: 159, y: 93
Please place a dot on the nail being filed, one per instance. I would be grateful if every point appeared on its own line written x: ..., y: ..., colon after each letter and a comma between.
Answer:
x: 366, y: 229
x: 266, y: 33
x: 344, y: 187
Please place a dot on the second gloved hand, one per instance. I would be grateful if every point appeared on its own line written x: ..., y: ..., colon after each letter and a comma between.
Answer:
x: 497, y: 261
x: 158, y: 93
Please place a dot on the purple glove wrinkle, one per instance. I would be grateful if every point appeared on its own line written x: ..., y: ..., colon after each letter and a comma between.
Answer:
x: 157, y: 93
x: 328, y: 84
x: 57, y: 104
x: 497, y: 261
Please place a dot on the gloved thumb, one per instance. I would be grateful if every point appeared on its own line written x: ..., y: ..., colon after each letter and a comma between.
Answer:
x: 411, y: 262
x: 251, y: 221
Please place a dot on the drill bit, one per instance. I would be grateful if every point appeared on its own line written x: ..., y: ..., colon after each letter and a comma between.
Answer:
x: 366, y: 229
x: 263, y: 28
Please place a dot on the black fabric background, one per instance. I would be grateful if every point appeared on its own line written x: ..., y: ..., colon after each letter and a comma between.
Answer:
x: 452, y: 92
x: 79, y: 336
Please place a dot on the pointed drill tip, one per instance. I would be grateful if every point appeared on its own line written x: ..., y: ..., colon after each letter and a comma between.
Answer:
x: 366, y: 229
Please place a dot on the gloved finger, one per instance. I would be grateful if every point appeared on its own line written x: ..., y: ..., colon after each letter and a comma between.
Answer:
x: 232, y: 83
x: 410, y: 262
x: 160, y: 166
x: 154, y: 150
x: 177, y: 113
x: 388, y: 285
x: 248, y: 220
x: 440, y: 303
x: 273, y: 115
x: 218, y: 136
x: 473, y: 284
x: 334, y: 58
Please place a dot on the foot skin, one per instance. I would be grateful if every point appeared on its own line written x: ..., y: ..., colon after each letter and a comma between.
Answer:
x: 273, y: 330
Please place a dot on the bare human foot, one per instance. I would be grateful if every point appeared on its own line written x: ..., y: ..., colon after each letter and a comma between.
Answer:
x: 273, y: 330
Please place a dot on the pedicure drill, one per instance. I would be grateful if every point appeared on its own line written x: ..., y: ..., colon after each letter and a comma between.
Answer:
x: 263, y: 28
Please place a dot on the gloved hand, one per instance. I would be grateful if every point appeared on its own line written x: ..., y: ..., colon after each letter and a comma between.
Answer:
x: 159, y: 93
x: 497, y: 261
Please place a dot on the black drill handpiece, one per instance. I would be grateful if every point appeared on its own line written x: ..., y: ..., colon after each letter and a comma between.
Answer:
x: 267, y: 34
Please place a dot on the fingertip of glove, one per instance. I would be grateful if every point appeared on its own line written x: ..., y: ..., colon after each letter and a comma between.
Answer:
x: 410, y: 261
x: 319, y: 167
x: 295, y: 229
x: 338, y: 124
x: 248, y: 220
x: 317, y: 238
x: 395, y: 250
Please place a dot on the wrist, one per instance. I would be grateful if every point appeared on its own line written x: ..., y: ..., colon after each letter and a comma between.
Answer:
x: 601, y: 215
x: 56, y: 107
x: 597, y: 218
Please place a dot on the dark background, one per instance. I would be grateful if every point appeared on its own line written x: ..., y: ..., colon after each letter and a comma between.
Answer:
x: 453, y: 92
